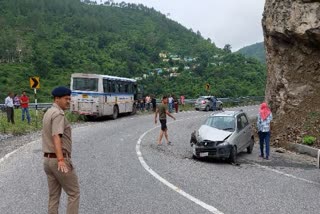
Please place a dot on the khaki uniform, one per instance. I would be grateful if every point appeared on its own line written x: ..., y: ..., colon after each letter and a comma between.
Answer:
x: 55, y: 123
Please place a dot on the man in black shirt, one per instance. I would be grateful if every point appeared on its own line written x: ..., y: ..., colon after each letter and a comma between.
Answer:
x: 163, y: 112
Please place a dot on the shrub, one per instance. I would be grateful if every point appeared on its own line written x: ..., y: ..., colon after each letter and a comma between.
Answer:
x: 309, y: 140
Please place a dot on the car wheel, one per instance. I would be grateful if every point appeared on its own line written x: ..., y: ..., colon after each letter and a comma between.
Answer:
x: 233, y: 155
x: 250, y: 147
x: 207, y: 108
x: 115, y: 113
x: 195, y: 157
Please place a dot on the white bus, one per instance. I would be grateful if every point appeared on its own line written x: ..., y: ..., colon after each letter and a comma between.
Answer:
x: 96, y: 95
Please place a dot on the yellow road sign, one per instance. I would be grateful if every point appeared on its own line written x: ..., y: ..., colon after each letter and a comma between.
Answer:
x: 35, y: 82
x: 207, y: 86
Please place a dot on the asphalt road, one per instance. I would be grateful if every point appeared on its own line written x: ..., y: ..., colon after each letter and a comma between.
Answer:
x: 121, y: 170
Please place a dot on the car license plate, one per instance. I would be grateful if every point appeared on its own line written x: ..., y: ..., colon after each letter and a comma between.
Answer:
x: 84, y: 96
x: 204, y: 154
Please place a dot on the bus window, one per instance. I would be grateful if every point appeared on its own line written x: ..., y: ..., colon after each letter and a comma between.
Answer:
x: 130, y: 88
x: 126, y: 87
x: 115, y: 87
x: 106, y: 86
x: 121, y: 87
x: 85, y: 84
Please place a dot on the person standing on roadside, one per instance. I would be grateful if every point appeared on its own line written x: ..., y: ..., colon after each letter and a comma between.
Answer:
x: 16, y: 101
x: 24, y: 100
x: 148, y: 102
x: 9, y: 107
x: 163, y: 112
x: 263, y: 125
x: 57, y: 148
x: 154, y: 103
x: 176, y: 104
x: 182, y: 100
x: 170, y: 103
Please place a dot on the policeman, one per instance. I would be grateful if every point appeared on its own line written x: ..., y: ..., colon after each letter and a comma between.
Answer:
x: 57, y: 147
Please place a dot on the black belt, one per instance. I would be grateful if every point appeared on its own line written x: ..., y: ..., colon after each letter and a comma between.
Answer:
x: 53, y: 155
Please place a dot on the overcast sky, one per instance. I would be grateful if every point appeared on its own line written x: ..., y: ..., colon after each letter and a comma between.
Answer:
x: 235, y: 22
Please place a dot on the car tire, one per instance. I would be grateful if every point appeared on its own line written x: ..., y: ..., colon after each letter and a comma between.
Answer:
x: 233, y: 155
x: 195, y: 157
x: 207, y: 108
x: 250, y: 147
x: 115, y: 113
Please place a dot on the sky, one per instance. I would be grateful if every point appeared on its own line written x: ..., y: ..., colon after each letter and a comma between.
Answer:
x: 234, y: 22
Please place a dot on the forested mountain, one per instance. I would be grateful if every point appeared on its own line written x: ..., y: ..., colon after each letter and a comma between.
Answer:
x: 256, y: 51
x: 54, y: 38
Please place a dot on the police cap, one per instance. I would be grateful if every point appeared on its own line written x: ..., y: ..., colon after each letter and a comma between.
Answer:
x: 61, y: 91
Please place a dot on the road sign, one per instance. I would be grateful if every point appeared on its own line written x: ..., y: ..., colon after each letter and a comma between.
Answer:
x: 35, y: 82
x: 207, y: 86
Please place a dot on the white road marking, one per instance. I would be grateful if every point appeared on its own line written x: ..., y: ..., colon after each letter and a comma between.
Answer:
x: 13, y: 152
x: 286, y: 174
x: 167, y: 183
x: 28, y: 144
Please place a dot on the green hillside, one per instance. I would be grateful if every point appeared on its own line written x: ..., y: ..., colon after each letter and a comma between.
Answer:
x: 256, y: 51
x: 54, y: 38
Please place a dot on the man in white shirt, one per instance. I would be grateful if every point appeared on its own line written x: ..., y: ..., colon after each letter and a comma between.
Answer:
x: 170, y: 99
x: 9, y: 106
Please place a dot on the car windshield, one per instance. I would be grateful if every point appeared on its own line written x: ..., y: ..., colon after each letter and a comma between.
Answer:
x: 226, y: 123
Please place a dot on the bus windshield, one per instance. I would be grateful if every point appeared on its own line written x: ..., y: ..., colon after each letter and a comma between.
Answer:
x: 85, y: 84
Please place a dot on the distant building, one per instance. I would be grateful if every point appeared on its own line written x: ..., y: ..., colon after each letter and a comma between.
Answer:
x: 176, y: 59
x: 174, y: 56
x: 189, y: 59
x: 145, y: 76
x: 174, y: 74
x: 174, y: 68
x: 163, y: 55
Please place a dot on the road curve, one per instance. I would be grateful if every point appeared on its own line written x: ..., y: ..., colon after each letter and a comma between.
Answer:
x: 113, y: 180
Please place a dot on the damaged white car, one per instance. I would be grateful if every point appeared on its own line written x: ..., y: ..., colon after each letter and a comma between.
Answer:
x: 223, y: 135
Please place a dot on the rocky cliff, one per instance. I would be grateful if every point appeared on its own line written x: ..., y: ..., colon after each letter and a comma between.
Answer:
x: 292, y: 42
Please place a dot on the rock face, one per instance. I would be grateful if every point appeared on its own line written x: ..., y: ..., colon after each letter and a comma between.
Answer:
x: 292, y: 41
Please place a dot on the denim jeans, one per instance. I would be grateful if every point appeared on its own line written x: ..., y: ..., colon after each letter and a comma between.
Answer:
x: 264, y: 139
x: 25, y: 111
x: 170, y: 107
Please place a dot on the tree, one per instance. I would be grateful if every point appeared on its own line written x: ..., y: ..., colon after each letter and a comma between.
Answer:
x: 227, y: 48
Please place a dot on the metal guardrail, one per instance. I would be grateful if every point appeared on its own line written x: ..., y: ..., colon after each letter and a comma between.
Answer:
x: 32, y: 105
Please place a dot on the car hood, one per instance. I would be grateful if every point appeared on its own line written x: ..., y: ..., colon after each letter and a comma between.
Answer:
x: 213, y: 134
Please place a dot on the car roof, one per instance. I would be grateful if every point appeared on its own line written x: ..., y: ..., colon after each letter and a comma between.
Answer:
x: 226, y: 113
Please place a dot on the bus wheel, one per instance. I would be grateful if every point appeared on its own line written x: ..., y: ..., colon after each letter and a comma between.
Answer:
x: 90, y: 118
x: 115, y: 113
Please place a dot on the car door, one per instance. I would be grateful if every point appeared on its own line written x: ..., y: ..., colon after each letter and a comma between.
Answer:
x: 246, y: 131
x: 239, y: 133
